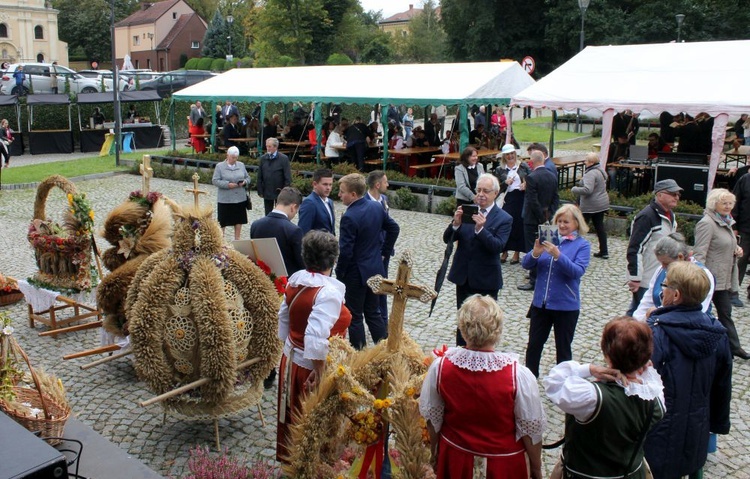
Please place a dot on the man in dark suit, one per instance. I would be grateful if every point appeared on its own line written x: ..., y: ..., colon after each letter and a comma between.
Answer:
x: 377, y: 186
x: 539, y: 205
x: 274, y: 173
x: 229, y: 109
x: 316, y: 212
x: 361, y: 253
x: 278, y: 224
x: 231, y: 131
x: 476, y: 265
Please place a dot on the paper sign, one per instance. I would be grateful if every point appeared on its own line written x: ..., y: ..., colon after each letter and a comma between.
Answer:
x: 264, y: 249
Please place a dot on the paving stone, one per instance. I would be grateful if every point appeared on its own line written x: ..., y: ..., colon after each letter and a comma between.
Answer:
x: 106, y: 397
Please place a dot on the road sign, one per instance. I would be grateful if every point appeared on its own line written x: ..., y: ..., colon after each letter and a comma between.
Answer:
x: 528, y: 64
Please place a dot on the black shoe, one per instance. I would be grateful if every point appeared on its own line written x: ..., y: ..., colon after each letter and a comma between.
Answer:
x: 736, y: 302
x: 740, y: 353
x: 526, y: 287
x: 268, y: 382
x: 601, y: 255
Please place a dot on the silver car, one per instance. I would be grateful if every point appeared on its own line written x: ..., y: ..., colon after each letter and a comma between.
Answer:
x: 106, y: 77
x: 38, y: 78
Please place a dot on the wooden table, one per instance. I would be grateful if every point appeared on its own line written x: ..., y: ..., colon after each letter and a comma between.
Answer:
x: 738, y: 157
x: 633, y: 177
x: 294, y: 143
x: 567, y: 165
x: 407, y: 153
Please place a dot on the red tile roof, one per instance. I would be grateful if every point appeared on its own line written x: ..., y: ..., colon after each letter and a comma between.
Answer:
x: 181, y: 23
x: 147, y: 15
x: 403, y: 16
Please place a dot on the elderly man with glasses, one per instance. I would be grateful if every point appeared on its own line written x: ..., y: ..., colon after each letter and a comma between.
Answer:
x: 651, y: 224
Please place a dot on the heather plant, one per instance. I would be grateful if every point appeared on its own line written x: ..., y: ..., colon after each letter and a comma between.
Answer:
x: 203, y: 465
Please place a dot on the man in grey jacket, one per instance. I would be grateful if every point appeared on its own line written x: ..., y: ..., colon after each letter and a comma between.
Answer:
x: 274, y: 173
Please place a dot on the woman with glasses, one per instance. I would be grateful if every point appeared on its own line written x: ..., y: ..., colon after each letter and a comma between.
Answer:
x: 691, y: 354
x: 716, y: 247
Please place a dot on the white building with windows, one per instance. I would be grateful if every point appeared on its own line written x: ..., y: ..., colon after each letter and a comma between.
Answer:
x: 28, y: 32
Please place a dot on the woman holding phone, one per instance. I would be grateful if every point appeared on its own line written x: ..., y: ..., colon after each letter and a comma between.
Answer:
x: 559, y: 265
x: 466, y: 174
x: 232, y: 180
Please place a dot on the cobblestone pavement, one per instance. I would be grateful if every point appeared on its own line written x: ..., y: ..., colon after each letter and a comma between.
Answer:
x: 106, y: 397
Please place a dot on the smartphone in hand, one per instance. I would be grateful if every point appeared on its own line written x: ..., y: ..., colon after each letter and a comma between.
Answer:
x: 549, y: 233
x: 468, y: 212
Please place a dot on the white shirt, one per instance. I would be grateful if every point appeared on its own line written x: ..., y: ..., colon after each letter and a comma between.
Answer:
x: 567, y: 388
x: 513, y: 173
x: 325, y: 312
x: 530, y: 418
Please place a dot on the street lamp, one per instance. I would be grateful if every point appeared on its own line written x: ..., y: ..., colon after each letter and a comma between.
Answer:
x: 230, y: 20
x: 151, y: 53
x: 583, y: 5
x: 680, y: 18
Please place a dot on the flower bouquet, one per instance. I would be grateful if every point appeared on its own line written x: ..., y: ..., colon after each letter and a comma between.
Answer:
x: 9, y: 292
x: 279, y: 282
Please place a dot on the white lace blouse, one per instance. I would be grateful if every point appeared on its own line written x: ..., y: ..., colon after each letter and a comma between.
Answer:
x: 530, y: 417
x: 569, y: 389
x: 325, y: 312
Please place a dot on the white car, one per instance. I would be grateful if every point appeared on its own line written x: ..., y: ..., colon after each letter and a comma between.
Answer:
x: 38, y: 78
x: 98, y: 75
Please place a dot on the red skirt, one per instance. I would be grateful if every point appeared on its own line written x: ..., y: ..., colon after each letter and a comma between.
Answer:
x: 296, y: 392
x: 455, y: 463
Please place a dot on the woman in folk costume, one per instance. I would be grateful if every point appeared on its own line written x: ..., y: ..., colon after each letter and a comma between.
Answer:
x: 482, y: 403
x: 312, y: 311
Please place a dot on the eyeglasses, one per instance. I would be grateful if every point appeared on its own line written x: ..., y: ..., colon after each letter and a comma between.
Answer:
x: 664, y: 285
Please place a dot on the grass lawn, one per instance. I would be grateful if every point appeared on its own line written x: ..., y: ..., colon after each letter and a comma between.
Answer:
x: 68, y: 168
x: 531, y: 130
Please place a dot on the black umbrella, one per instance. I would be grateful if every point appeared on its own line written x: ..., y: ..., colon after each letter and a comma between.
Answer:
x: 440, y: 276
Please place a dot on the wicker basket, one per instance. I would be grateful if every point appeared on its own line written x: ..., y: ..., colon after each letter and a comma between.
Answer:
x: 11, y: 297
x: 63, y: 262
x: 49, y: 424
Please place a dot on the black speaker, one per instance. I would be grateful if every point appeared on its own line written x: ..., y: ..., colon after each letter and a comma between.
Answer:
x: 692, y: 179
x: 25, y: 456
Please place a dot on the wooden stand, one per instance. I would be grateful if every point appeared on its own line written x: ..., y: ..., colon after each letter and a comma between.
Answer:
x: 49, y: 317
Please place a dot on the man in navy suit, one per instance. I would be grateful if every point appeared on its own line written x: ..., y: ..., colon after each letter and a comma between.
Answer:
x: 361, y: 252
x: 539, y: 205
x: 278, y: 224
x: 476, y: 265
x: 377, y: 186
x: 316, y: 212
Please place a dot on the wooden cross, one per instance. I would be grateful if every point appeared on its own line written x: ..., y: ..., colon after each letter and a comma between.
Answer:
x: 147, y: 173
x: 401, y: 290
x: 195, y: 191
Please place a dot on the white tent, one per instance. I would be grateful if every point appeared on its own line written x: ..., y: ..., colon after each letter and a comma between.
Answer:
x: 414, y: 84
x: 706, y: 77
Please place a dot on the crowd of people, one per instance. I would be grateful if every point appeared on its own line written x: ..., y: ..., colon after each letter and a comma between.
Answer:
x: 666, y: 381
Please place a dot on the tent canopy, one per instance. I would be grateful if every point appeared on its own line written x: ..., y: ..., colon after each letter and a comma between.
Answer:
x: 674, y: 77
x: 8, y: 100
x: 414, y: 84
x: 125, y: 96
x: 50, y: 99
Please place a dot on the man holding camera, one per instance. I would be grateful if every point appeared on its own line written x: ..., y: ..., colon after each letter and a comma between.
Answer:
x: 481, y: 231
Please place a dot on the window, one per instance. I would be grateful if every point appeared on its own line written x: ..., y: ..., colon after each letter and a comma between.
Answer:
x: 148, y: 63
x: 3, y: 30
x: 5, y: 53
x: 136, y: 40
x: 38, y: 32
x: 40, y: 59
x: 195, y: 44
x: 174, y: 15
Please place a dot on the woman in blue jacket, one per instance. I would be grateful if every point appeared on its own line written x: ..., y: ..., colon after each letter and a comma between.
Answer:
x: 692, y: 356
x: 557, y: 292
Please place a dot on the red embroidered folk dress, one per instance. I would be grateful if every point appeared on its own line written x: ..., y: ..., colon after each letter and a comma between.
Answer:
x: 313, y: 310
x: 482, y: 403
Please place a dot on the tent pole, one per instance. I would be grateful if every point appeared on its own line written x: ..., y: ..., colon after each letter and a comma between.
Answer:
x: 384, y: 125
x: 317, y: 117
x: 261, y: 140
x: 552, y: 135
x: 172, y: 133
x: 463, y: 112
x: 213, y: 124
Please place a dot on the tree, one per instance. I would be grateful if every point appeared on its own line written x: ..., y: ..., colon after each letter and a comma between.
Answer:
x: 285, y: 28
x: 215, y: 42
x: 426, y: 42
x: 85, y: 24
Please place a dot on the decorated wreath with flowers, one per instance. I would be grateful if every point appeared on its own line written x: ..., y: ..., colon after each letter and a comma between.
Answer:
x: 279, y: 282
x: 63, y: 252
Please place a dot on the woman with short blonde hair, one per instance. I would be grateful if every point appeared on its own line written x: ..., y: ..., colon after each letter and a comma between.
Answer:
x: 480, y: 403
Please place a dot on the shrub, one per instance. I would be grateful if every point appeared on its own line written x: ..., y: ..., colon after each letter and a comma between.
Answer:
x: 205, y: 63
x: 218, y: 65
x: 404, y: 199
x: 192, y: 64
x: 339, y: 59
x: 446, y: 207
x: 183, y: 60
x: 229, y: 64
x: 304, y: 185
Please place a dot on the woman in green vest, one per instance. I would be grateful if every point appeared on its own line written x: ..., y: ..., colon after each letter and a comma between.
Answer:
x: 607, y: 419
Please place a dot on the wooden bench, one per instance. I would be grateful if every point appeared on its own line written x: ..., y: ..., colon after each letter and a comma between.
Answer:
x: 423, y: 168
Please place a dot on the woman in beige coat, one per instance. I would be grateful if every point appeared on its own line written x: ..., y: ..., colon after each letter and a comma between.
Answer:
x: 716, y: 247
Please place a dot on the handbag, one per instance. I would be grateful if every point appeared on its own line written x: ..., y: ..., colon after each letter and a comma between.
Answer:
x: 248, y: 201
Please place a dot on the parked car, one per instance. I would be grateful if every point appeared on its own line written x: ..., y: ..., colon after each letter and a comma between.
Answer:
x: 39, y: 80
x: 176, y: 80
x: 106, y: 75
x: 142, y: 75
